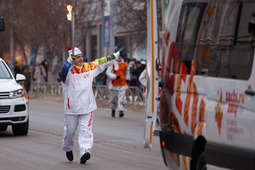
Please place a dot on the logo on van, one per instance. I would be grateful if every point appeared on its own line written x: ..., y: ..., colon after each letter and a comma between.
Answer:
x: 234, y: 99
x: 219, y: 111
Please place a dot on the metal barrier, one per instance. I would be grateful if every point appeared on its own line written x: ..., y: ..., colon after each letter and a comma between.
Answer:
x: 134, y: 95
x: 46, y: 88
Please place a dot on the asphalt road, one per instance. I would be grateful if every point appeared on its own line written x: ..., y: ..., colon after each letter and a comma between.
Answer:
x: 118, y: 143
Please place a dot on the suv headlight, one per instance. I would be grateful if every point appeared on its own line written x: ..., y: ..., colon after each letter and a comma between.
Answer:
x: 17, y: 94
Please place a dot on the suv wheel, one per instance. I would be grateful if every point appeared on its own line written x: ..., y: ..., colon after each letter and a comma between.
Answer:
x: 20, y: 129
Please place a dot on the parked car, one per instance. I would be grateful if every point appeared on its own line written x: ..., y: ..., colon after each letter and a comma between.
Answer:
x: 13, y: 102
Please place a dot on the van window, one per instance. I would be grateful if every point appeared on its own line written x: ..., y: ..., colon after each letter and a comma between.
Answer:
x: 188, y: 28
x: 226, y: 47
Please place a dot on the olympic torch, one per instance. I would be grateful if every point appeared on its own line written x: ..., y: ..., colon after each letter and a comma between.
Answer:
x: 70, y: 17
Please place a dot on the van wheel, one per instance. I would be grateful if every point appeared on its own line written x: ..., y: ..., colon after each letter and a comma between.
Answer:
x: 3, y: 128
x: 201, y: 163
x: 20, y: 129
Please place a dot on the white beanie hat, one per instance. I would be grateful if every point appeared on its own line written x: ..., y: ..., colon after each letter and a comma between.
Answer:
x: 77, y: 51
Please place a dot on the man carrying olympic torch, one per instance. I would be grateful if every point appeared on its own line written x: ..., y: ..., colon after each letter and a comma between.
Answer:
x: 79, y: 101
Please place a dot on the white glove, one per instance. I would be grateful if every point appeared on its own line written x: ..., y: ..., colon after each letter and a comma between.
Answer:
x: 117, y: 54
x: 70, y: 59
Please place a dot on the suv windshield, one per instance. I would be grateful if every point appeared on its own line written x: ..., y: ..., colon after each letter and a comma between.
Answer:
x: 4, y: 72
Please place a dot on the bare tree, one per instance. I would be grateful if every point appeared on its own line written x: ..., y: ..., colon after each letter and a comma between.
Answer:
x: 130, y: 17
x: 43, y: 23
x: 4, y: 36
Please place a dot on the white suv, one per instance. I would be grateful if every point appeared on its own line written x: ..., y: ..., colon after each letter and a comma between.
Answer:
x: 13, y: 102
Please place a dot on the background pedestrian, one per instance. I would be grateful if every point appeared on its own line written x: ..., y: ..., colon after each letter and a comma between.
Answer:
x: 119, y: 76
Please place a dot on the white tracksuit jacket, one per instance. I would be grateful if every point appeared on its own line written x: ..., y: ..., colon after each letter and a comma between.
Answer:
x: 77, y: 87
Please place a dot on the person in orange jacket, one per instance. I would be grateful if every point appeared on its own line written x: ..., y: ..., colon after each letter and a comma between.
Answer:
x: 119, y: 76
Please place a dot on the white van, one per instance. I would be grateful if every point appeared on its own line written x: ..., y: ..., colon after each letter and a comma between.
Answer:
x: 207, y: 102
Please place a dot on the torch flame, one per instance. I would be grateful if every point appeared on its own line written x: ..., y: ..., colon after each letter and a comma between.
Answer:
x: 69, y: 9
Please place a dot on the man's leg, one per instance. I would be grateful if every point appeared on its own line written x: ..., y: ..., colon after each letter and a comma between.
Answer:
x: 70, y: 126
x: 114, y: 98
x: 121, y: 103
x: 85, y: 138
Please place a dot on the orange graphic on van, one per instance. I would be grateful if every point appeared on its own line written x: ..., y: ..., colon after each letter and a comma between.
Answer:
x: 194, y: 111
x: 202, y: 111
x: 190, y: 90
x: 184, y: 163
x: 166, y: 36
x: 175, y: 123
x: 175, y: 158
x: 186, y: 109
x: 219, y: 112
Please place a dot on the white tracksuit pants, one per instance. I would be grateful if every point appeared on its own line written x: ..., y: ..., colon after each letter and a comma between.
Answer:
x: 115, y: 95
x: 85, y: 138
